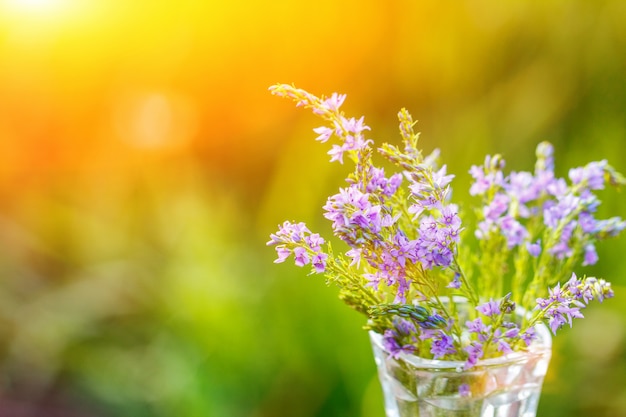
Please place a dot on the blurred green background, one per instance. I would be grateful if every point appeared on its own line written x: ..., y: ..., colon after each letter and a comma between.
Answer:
x: 143, y: 165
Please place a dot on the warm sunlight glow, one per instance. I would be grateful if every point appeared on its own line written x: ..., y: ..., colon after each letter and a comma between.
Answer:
x: 34, y: 6
x: 37, y: 23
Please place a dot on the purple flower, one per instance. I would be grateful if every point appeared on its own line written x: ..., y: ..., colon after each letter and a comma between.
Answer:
x: 513, y: 230
x: 354, y: 217
x: 355, y: 255
x: 564, y: 304
x: 503, y: 346
x: 351, y: 126
x: 497, y: 207
x: 288, y: 233
x: 336, y: 153
x: 324, y: 133
x: 301, y: 255
x: 378, y: 182
x: 591, y: 256
x: 319, y: 262
x: 490, y: 308
x: 393, y: 346
x: 521, y: 186
x: 474, y: 352
x: 610, y: 227
x: 332, y: 103
x: 529, y: 335
x: 456, y: 282
x: 450, y: 217
x: 587, y: 222
x: 592, y: 175
x: 440, y: 179
x: 534, y: 249
x: 464, y: 390
x: 442, y: 345
x: 487, y: 176
x: 512, y: 332
x: 553, y: 213
x: 404, y: 327
x: 314, y: 241
x: 283, y: 253
x: 479, y: 328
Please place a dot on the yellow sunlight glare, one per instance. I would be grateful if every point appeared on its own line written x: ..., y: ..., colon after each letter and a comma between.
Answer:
x: 34, y: 6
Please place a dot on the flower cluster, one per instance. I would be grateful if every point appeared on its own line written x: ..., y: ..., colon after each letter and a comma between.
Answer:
x: 405, y: 265
x: 564, y: 303
x: 305, y: 246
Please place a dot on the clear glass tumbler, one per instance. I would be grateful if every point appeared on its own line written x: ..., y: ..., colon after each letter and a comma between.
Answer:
x: 508, y: 386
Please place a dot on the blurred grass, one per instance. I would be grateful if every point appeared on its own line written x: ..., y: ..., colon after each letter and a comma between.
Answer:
x: 143, y: 165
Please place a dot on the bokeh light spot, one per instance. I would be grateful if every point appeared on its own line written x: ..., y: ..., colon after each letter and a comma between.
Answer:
x: 152, y: 120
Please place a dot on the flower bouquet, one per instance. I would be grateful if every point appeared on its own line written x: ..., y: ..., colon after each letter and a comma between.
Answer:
x: 458, y: 310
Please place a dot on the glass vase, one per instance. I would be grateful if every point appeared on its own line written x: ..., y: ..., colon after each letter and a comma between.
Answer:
x: 508, y: 386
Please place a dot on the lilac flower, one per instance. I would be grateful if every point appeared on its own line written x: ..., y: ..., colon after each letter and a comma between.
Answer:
x: 355, y: 255
x: 331, y: 104
x: 488, y: 176
x: 534, y: 249
x: 314, y: 241
x: 464, y: 390
x: 400, y: 338
x: 289, y: 232
x: 512, y: 332
x: 529, y: 336
x: 513, y: 230
x: 521, y: 185
x: 554, y: 213
x: 557, y: 188
x: 497, y: 207
x: 336, y: 153
x: 354, y: 217
x: 562, y: 248
x: 450, y: 218
x: 319, y: 262
x: 502, y: 345
x: 481, y: 182
x: 324, y: 133
x: 442, y: 345
x: 610, y: 227
x: 441, y: 179
x: 479, y: 328
x: 592, y: 175
x: 490, y: 308
x: 391, y: 345
x: 591, y: 256
x: 474, y: 352
x: 283, y: 253
x: 351, y: 126
x: 301, y: 255
x: 378, y: 182
x: 587, y: 222
x: 296, y: 239
x: 404, y: 327
x: 437, y: 237
x: 456, y: 282
x: 564, y: 304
